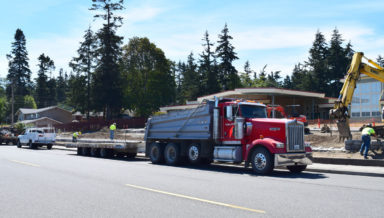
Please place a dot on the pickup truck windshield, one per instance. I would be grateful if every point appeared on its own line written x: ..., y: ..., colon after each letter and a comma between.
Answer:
x: 253, y: 111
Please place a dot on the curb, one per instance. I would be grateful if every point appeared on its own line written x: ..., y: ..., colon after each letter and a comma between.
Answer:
x: 343, y: 161
x: 345, y: 172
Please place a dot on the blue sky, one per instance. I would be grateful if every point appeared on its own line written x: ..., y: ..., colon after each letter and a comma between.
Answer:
x: 277, y: 33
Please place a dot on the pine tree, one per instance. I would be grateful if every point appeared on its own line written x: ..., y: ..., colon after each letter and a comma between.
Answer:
x: 19, y: 74
x: 61, y: 87
x: 338, y: 62
x: 317, y: 63
x: 245, y: 77
x: 209, y: 77
x: 191, y: 79
x: 46, y: 65
x: 84, y: 63
x: 107, y: 89
x: 287, y: 83
x: 225, y: 52
x: 380, y: 60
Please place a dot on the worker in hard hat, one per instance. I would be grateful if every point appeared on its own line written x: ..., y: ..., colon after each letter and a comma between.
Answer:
x: 112, y: 129
x: 75, y: 136
x: 366, y: 138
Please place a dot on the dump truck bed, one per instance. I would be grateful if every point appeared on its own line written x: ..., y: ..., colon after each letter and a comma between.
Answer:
x: 195, y: 123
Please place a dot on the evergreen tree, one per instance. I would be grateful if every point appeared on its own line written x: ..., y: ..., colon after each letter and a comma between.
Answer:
x: 287, y: 83
x: 273, y: 79
x: 147, y: 76
x: 317, y: 63
x: 261, y: 81
x: 209, y: 77
x: 338, y: 62
x: 225, y: 52
x: 61, y: 87
x: 19, y: 74
x: 179, y: 69
x: 46, y: 65
x: 77, y: 94
x: 107, y: 90
x: 246, y: 80
x: 380, y: 60
x: 84, y: 63
x: 191, y: 80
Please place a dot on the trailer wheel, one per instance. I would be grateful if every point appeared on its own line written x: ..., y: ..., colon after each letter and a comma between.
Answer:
x: 18, y: 144
x: 156, y: 152
x: 79, y: 151
x: 172, y: 154
x: 95, y: 152
x: 194, y: 153
x: 86, y: 151
x: 49, y: 147
x: 297, y: 168
x: 106, y: 153
x: 262, y: 161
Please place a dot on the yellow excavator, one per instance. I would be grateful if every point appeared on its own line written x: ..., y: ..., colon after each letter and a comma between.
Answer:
x: 340, y: 111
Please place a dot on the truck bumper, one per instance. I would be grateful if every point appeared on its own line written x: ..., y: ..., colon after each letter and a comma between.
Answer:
x: 289, y: 159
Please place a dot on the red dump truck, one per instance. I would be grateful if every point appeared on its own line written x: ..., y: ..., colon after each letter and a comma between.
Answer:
x: 228, y: 130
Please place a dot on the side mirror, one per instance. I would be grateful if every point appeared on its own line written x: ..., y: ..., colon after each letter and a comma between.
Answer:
x: 229, y: 113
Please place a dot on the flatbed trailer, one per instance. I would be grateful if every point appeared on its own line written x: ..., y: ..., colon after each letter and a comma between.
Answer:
x: 105, y: 148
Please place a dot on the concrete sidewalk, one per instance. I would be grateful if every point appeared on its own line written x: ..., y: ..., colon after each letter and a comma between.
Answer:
x: 347, y: 169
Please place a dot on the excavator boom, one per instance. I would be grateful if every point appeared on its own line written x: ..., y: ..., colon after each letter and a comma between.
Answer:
x: 340, y: 111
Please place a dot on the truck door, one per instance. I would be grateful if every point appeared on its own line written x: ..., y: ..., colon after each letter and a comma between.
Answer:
x: 229, y: 112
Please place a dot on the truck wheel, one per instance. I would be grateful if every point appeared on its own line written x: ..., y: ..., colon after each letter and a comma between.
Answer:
x: 106, y: 153
x: 172, y: 154
x: 156, y: 152
x: 1, y: 141
x: 86, y: 151
x: 95, y: 152
x: 194, y: 153
x: 262, y: 161
x: 18, y: 144
x: 297, y: 168
x: 49, y: 147
x: 131, y: 155
x: 30, y: 145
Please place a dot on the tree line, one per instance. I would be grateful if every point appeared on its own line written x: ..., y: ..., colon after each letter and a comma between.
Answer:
x: 108, y: 76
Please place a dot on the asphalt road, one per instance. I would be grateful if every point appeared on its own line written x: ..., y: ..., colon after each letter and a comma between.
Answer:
x: 58, y: 183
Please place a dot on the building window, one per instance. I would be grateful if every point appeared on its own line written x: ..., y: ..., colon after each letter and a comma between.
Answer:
x: 376, y: 114
x: 355, y: 114
x: 365, y: 114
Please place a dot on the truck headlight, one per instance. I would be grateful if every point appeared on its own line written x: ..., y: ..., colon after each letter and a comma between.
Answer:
x: 307, y: 144
x: 279, y: 145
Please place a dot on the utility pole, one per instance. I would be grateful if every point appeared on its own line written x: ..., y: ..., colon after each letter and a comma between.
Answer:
x: 13, y: 102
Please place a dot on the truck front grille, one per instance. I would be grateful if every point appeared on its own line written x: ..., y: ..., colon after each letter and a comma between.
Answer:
x: 295, y: 137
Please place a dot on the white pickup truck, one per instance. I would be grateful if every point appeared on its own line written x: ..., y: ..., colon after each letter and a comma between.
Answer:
x: 37, y: 137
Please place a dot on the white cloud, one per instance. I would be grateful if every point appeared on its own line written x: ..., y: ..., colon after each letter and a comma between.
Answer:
x: 60, y: 49
x: 142, y: 13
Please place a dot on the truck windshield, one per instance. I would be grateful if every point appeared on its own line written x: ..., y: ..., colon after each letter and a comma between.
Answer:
x: 253, y: 111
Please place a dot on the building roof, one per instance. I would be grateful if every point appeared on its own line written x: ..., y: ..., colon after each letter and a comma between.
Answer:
x: 248, y: 93
x: 39, y: 119
x: 35, y: 111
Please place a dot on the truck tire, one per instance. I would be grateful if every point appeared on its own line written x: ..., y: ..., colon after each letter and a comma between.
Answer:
x: 194, y: 153
x: 106, y: 153
x: 261, y: 160
x: 18, y: 144
x: 1, y: 141
x: 172, y: 154
x: 31, y: 145
x: 156, y: 152
x: 49, y: 146
x: 95, y: 152
x: 297, y: 168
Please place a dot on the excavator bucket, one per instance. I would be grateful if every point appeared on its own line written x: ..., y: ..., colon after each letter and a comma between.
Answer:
x: 344, y: 129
